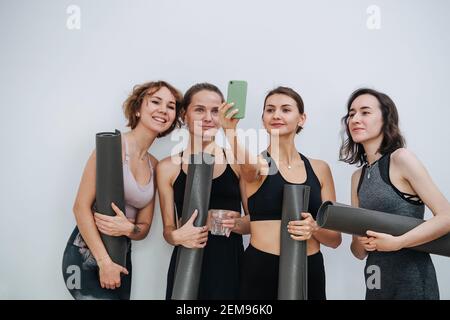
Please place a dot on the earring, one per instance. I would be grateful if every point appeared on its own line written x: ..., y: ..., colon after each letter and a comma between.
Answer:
x: 138, y: 114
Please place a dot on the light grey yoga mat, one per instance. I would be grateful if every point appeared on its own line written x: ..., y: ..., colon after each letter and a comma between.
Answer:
x: 356, y: 221
x: 196, y: 196
x: 293, y: 270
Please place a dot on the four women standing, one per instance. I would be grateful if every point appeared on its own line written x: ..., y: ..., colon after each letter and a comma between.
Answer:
x: 249, y: 189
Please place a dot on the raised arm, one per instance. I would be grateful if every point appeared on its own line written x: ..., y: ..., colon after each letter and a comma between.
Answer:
x: 251, y: 165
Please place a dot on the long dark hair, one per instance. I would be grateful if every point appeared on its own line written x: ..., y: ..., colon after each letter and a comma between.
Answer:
x: 351, y: 152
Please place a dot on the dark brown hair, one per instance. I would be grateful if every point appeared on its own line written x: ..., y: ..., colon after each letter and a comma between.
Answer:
x: 134, y: 102
x: 292, y: 94
x: 351, y: 152
x: 195, y: 89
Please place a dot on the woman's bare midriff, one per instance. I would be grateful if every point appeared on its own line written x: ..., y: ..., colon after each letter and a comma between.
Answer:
x: 265, y: 236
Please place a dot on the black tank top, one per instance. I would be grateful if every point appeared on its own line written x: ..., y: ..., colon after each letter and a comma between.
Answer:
x: 225, y: 191
x: 266, y: 203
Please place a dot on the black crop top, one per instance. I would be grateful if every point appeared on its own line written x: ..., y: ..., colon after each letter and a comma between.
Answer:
x: 266, y: 203
x: 225, y: 191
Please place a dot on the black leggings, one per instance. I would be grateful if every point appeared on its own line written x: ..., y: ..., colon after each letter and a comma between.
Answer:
x: 259, y: 276
x: 80, y: 272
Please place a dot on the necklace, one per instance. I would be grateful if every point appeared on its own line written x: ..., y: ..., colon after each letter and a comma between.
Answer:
x: 369, y: 166
x: 369, y: 169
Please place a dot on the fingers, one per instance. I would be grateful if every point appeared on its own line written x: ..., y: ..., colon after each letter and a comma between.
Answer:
x: 226, y: 106
x: 193, y: 216
x: 307, y: 215
x: 202, y: 232
x: 373, y: 233
x: 103, y: 217
x: 300, y: 229
x: 370, y: 247
x: 110, y: 285
x: 104, y: 224
x: 116, y: 209
x: 229, y: 223
x: 231, y: 113
x: 124, y: 271
x: 302, y: 233
x: 300, y: 238
x: 233, y: 215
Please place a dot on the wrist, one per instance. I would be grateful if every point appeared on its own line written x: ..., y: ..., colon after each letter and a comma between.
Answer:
x: 129, y: 229
x: 176, y: 237
x: 103, y: 261
x: 401, y: 242
x: 230, y: 132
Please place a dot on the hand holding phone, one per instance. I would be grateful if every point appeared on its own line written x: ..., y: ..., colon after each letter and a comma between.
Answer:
x: 237, y: 94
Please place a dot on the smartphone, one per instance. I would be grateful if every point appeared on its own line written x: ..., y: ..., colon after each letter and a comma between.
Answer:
x: 237, y: 93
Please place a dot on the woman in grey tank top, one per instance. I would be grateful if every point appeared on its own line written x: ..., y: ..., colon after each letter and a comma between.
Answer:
x: 152, y: 111
x: 391, y: 180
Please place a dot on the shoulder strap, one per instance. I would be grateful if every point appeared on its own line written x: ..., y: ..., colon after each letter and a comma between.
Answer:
x: 127, y: 155
x: 361, y: 178
x: 383, y: 165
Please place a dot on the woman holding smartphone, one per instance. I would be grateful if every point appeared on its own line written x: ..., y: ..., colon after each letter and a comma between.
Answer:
x: 222, y: 254
x: 152, y: 111
x: 391, y: 180
x: 265, y: 176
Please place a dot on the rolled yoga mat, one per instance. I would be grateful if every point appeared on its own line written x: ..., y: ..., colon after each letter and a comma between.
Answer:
x: 356, y: 221
x: 109, y: 188
x: 293, y: 269
x: 196, y: 196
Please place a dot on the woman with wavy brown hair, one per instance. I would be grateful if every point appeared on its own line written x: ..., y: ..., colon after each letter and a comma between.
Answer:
x: 391, y: 180
x: 152, y: 111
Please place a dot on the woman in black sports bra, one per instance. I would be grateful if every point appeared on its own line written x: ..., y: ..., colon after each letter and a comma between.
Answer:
x: 223, y: 254
x: 265, y: 176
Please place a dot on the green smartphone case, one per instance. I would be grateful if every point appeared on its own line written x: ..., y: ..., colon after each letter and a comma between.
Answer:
x: 237, y: 93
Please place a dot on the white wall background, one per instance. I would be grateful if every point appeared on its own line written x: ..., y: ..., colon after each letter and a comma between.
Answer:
x: 59, y: 87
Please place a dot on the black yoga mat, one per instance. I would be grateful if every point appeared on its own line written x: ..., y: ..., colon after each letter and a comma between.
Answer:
x: 356, y: 221
x: 293, y: 269
x: 196, y: 196
x: 109, y: 188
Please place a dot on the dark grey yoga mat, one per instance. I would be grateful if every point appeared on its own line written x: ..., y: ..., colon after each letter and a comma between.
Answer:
x: 293, y: 270
x: 356, y: 221
x: 109, y: 188
x: 196, y: 196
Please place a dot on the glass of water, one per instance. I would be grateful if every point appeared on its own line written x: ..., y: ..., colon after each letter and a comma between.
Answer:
x: 217, y: 227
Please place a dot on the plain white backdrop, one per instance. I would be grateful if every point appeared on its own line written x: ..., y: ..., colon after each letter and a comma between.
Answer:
x: 60, y: 85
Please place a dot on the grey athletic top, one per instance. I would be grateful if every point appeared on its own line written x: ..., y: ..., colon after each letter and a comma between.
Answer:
x: 404, y: 274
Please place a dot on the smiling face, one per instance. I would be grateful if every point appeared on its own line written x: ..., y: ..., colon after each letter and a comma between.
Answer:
x: 281, y: 115
x: 365, y: 119
x: 202, y: 114
x: 158, y: 110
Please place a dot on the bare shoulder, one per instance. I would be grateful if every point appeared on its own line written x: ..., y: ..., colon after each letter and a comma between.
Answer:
x: 319, y: 166
x: 153, y: 160
x: 167, y: 167
x: 404, y: 157
x: 356, y: 175
x: 321, y: 169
